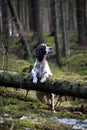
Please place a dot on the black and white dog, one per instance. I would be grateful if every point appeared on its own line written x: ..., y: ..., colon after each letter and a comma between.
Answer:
x: 41, y: 70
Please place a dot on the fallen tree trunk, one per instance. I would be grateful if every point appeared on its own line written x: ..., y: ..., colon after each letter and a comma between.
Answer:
x: 24, y: 81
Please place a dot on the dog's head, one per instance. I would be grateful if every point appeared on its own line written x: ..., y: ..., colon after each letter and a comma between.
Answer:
x: 41, y: 51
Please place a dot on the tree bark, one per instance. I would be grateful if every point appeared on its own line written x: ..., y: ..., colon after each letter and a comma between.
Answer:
x: 51, y: 18
x: 64, y: 20
x: 5, y: 31
x: 20, y: 30
x: 0, y: 19
x: 24, y: 81
x: 81, y: 22
x: 35, y: 20
x: 56, y: 33
x: 26, y: 15
x: 72, y: 15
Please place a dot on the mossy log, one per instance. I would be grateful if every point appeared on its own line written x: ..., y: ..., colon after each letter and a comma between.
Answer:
x: 24, y: 81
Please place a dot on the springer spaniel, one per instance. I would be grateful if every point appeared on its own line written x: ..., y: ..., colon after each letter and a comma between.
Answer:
x: 41, y: 70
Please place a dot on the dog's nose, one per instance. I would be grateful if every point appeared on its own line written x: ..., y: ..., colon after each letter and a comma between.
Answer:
x: 48, y: 50
x: 51, y: 49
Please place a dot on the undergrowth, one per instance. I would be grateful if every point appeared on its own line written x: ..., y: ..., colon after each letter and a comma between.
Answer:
x: 38, y: 114
x: 16, y: 105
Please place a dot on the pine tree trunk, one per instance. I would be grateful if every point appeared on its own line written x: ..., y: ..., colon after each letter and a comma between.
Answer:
x: 35, y: 20
x: 26, y: 15
x: 39, y: 27
x: 51, y: 18
x: 56, y: 36
x: 72, y: 15
x: 0, y: 20
x: 5, y: 31
x: 18, y: 8
x: 81, y: 22
x: 64, y: 20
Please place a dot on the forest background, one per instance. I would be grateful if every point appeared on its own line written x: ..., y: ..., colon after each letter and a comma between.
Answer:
x: 32, y: 21
x: 24, y: 24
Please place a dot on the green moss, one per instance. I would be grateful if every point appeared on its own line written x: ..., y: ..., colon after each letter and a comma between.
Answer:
x: 38, y: 113
x: 77, y: 63
x: 44, y: 124
x: 72, y: 36
x: 25, y: 123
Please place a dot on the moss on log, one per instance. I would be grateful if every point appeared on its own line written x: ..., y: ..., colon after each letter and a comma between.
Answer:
x: 24, y: 81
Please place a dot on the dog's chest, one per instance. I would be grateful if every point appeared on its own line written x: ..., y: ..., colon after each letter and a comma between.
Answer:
x: 41, y: 69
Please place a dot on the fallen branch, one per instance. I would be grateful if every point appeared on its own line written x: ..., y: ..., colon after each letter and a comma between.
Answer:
x: 24, y: 81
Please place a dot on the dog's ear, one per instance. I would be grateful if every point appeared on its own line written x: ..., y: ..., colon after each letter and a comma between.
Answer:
x: 40, y: 52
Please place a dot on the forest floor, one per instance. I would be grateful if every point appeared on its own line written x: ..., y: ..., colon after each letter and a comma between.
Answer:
x: 29, y: 113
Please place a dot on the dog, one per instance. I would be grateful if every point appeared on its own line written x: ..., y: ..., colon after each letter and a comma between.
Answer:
x: 41, y: 70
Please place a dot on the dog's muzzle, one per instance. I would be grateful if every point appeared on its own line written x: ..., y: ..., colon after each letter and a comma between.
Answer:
x: 49, y: 50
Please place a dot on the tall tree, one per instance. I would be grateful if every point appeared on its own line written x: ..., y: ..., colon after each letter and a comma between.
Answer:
x: 26, y: 15
x: 56, y: 36
x: 0, y: 19
x: 18, y: 8
x: 64, y: 20
x: 5, y: 30
x: 39, y: 29
x: 35, y: 20
x: 51, y: 18
x: 81, y: 22
x: 72, y: 15
x: 4, y: 8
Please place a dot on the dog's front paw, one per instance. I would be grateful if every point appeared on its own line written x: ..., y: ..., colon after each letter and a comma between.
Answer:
x: 43, y: 79
x: 35, y: 80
